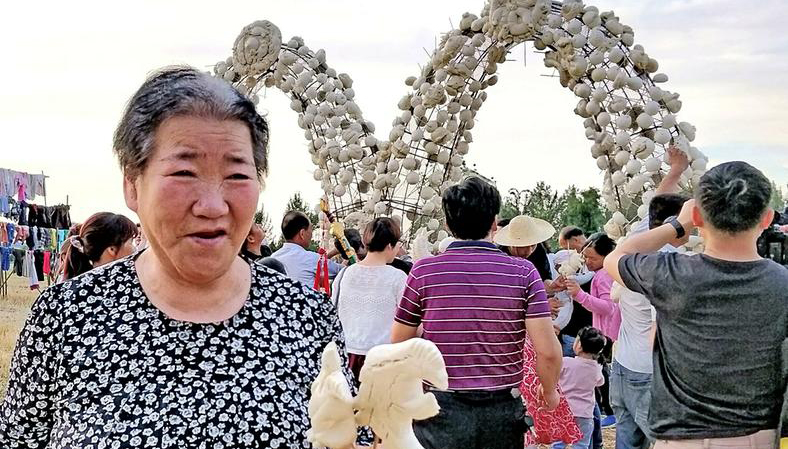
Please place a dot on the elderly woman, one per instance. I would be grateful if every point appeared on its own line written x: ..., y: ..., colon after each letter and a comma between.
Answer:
x: 183, y: 344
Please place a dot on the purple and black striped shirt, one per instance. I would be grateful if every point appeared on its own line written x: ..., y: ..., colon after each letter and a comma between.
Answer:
x: 473, y: 301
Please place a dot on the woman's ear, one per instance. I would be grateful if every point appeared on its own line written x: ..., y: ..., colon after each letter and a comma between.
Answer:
x: 130, y: 193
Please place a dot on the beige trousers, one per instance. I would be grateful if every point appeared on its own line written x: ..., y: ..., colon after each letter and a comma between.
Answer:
x: 765, y: 439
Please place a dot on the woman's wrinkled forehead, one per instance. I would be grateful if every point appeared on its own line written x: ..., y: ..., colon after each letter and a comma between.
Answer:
x: 197, y: 139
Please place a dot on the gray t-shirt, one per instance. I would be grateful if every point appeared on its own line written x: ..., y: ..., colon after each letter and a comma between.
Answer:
x: 717, y: 352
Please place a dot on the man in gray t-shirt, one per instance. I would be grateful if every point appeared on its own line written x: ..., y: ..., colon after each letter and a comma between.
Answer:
x: 722, y: 316
x: 720, y: 328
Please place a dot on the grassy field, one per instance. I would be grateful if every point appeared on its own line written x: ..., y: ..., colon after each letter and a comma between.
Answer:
x: 14, y: 310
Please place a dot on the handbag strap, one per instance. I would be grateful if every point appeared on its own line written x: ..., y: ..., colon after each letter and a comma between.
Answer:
x: 338, y: 284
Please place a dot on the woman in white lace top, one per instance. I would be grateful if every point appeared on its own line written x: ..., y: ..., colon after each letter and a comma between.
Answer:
x: 367, y: 293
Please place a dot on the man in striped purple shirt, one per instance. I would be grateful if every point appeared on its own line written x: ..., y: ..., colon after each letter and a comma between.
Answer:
x: 476, y: 304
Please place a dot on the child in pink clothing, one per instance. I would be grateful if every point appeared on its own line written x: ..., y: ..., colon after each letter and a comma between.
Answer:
x: 579, y: 376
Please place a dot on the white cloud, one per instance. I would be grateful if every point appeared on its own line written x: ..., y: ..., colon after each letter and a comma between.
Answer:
x: 71, y: 70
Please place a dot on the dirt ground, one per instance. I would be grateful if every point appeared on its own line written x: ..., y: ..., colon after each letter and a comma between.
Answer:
x: 15, y: 308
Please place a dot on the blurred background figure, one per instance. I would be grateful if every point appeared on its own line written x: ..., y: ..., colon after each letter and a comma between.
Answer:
x: 103, y: 238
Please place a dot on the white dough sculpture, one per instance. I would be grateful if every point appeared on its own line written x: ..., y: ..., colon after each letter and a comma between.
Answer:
x: 331, y: 405
x: 570, y: 264
x: 627, y: 116
x: 391, y: 394
x: 390, y: 397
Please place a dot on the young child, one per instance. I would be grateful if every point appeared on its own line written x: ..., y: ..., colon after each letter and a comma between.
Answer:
x: 579, y: 376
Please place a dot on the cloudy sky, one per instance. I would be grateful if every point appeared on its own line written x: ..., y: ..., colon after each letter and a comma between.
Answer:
x: 69, y: 68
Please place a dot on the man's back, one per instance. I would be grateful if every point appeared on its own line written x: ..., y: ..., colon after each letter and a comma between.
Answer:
x: 717, y: 355
x: 299, y: 263
x: 473, y: 301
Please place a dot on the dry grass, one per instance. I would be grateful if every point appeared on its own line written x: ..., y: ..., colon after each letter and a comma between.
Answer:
x: 13, y: 312
x: 15, y: 308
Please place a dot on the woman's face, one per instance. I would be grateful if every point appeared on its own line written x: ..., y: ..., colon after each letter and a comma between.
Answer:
x: 392, y: 251
x: 522, y: 251
x: 594, y: 261
x: 197, y: 195
x: 126, y: 249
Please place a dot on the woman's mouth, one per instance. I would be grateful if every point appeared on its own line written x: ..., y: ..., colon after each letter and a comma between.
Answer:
x: 208, y: 238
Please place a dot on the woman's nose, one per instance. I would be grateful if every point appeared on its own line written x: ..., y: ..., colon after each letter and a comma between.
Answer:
x: 210, y: 202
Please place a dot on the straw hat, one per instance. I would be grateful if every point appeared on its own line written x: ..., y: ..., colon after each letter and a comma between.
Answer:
x: 524, y: 231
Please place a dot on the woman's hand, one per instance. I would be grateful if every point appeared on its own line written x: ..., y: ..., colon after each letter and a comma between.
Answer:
x: 573, y: 288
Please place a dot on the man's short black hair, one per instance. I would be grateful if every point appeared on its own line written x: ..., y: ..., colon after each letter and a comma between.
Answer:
x: 293, y: 223
x: 592, y: 341
x: 663, y: 207
x: 601, y: 243
x: 733, y: 196
x: 470, y: 208
x: 572, y: 231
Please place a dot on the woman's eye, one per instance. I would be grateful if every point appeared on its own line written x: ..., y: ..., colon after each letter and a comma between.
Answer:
x: 239, y: 176
x: 185, y: 173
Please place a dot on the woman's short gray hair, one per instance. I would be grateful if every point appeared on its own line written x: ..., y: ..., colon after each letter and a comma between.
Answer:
x: 183, y: 91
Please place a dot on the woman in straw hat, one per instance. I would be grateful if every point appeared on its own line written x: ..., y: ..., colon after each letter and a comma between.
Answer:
x: 520, y: 238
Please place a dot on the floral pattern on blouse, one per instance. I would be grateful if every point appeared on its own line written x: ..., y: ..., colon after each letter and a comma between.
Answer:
x: 98, y: 366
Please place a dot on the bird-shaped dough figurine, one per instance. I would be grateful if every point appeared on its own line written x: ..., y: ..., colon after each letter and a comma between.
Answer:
x: 391, y: 395
x: 331, y: 405
x: 571, y: 263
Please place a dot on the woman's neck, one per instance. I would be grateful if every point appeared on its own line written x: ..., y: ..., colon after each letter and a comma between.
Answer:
x: 375, y: 259
x: 180, y: 299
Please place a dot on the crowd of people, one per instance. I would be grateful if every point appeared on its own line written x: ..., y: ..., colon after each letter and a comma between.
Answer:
x: 186, y: 330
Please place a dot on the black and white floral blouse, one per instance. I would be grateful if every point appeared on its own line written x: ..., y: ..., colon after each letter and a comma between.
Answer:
x: 98, y: 366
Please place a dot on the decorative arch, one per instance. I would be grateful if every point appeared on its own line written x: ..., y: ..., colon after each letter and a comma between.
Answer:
x: 628, y: 118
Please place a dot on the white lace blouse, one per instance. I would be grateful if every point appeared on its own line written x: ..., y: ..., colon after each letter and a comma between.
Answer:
x: 367, y: 300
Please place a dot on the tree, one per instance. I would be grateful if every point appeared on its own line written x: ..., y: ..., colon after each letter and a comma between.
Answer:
x: 540, y: 202
x: 778, y: 199
x: 583, y: 208
x: 296, y: 202
x: 262, y: 218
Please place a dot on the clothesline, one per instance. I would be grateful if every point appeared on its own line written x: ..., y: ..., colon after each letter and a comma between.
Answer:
x: 30, y: 235
x: 22, y: 185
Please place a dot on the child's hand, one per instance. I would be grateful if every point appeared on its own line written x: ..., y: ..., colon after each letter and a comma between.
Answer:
x: 549, y: 399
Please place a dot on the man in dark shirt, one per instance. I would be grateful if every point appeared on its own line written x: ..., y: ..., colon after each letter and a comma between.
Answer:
x: 722, y: 316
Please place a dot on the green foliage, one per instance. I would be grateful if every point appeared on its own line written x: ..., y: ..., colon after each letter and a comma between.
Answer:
x: 778, y: 200
x: 582, y: 208
x: 296, y: 202
x: 262, y: 218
